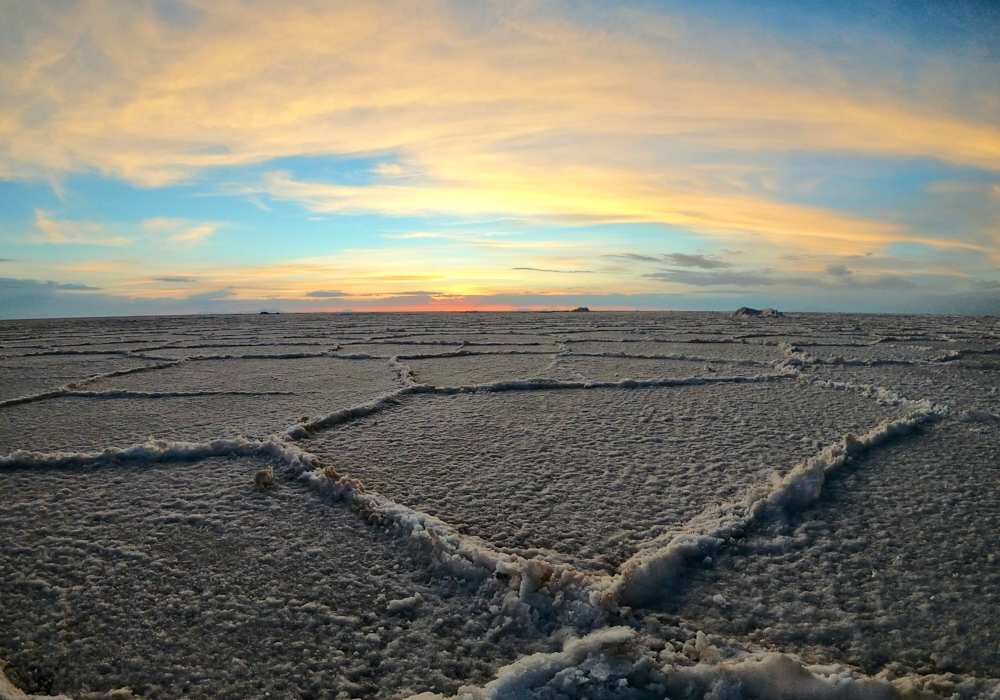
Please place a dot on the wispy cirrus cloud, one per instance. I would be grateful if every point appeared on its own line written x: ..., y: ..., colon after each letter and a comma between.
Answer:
x: 83, y: 232
x: 51, y: 230
x: 269, y: 80
x: 716, y: 279
x: 325, y: 294
x: 701, y: 261
x: 578, y: 197
x: 181, y: 230
x: 12, y: 283
x: 561, y: 272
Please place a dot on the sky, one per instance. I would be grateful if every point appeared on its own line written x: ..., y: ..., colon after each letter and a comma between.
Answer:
x: 160, y: 156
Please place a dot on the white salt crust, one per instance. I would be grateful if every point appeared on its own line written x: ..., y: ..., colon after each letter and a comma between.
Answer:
x: 605, y: 617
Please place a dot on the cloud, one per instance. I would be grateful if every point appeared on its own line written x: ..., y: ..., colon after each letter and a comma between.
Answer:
x: 76, y: 287
x: 705, y: 279
x: 7, y: 260
x: 214, y: 295
x: 91, y: 233
x: 181, y: 230
x: 326, y: 294
x: 34, y: 299
x: 248, y: 82
x: 412, y: 234
x: 695, y: 261
x: 767, y: 278
x: 543, y: 111
x: 634, y: 256
x: 388, y: 169
x: 22, y: 284
x: 889, y: 282
x: 567, y: 272
x: 76, y: 232
x: 574, y: 197
x: 173, y: 280
x: 838, y: 270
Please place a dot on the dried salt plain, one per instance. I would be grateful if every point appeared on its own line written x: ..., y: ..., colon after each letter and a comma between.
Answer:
x: 483, y: 505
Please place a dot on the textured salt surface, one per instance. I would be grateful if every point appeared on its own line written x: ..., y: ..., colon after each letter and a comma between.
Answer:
x: 612, y: 369
x: 971, y: 383
x: 745, y: 352
x: 336, y: 382
x: 896, y: 564
x: 183, y: 580
x: 525, y: 514
x: 28, y: 375
x: 277, y: 351
x: 476, y: 369
x: 253, y: 398
x: 589, y: 477
x: 392, y: 349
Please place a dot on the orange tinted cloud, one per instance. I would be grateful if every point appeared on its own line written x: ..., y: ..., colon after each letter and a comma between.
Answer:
x: 110, y: 86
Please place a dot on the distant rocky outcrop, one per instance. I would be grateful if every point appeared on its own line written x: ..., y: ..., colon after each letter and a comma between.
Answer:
x: 745, y: 311
x: 581, y: 308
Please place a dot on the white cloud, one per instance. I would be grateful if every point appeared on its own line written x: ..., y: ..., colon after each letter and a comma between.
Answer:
x: 181, y: 230
x: 78, y: 232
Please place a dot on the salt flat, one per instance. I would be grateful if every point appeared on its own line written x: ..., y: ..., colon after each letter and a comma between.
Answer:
x: 483, y: 505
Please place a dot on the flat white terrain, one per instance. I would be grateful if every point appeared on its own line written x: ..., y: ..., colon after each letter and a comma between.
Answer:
x: 487, y: 505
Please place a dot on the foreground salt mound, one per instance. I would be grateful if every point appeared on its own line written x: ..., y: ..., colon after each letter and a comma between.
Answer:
x: 182, y: 580
x: 895, y: 565
x: 622, y: 663
x: 554, y: 472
